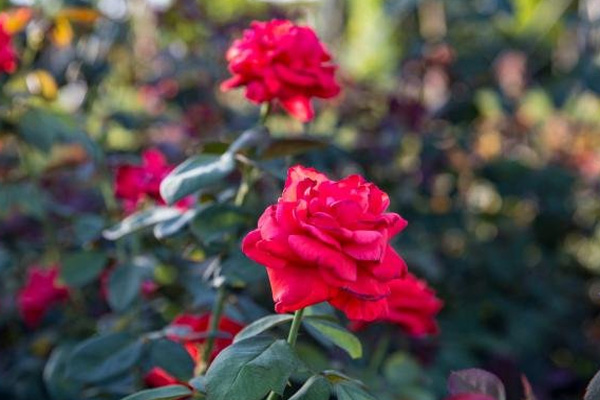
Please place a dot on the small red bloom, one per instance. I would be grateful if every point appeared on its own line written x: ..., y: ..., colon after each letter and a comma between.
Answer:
x: 280, y: 60
x: 40, y: 293
x: 136, y: 183
x: 191, y: 331
x: 328, y: 240
x: 8, y: 57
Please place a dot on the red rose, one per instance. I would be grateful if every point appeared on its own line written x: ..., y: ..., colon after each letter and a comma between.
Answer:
x: 412, y: 305
x: 191, y: 330
x: 41, y: 292
x: 8, y: 57
x: 135, y: 183
x: 328, y: 240
x: 283, y: 61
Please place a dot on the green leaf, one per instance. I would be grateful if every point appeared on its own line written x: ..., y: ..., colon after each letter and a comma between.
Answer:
x: 316, y: 388
x: 161, y: 393
x: 401, y: 370
x: 351, y: 390
x: 252, y: 137
x: 336, y: 334
x: 141, y: 220
x: 217, y: 222
x: 261, y: 325
x: 103, y: 357
x: 42, y: 129
x: 593, y: 390
x: 171, y: 226
x: 198, y: 383
x: 124, y: 286
x: 250, y: 369
x: 82, y: 267
x: 194, y: 174
x: 58, y: 386
x: 172, y: 357
x: 292, y: 146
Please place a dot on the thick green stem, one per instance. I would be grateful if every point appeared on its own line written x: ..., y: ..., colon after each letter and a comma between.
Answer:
x: 293, y: 335
x: 213, y: 325
x: 291, y: 339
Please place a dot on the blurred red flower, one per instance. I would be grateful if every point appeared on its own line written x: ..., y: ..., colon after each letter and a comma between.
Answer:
x: 190, y: 330
x: 40, y: 293
x: 8, y: 57
x: 280, y: 60
x: 412, y: 304
x: 135, y: 183
x: 328, y: 240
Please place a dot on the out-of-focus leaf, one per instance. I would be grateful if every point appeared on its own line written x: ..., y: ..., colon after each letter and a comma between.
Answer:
x: 351, y: 390
x: 316, y: 388
x: 140, y: 220
x: 198, y: 383
x: 292, y: 146
x: 103, y: 357
x: 259, y: 326
x: 401, y: 370
x: 250, y: 369
x: 83, y: 267
x: 42, y: 129
x: 161, y: 393
x: 593, y: 390
x: 255, y: 137
x: 217, y: 222
x: 124, y: 286
x: 336, y: 334
x: 194, y: 174
x: 40, y: 82
x: 172, y: 357
x: 476, y: 380
x: 171, y: 226
x: 58, y: 386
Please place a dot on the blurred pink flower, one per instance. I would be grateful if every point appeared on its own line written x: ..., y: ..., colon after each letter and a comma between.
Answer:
x: 40, y: 293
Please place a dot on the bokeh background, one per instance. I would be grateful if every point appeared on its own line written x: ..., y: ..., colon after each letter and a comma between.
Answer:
x: 480, y: 118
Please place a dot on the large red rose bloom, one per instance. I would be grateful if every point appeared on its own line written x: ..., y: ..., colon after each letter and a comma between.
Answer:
x: 328, y: 240
x: 8, y: 57
x: 278, y: 60
x: 41, y: 292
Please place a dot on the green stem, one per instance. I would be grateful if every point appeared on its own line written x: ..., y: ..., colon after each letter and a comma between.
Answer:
x: 291, y: 339
x: 213, y: 325
x: 265, y: 110
x: 293, y: 335
x: 380, y: 352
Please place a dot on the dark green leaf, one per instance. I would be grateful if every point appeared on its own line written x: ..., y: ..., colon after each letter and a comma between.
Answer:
x: 162, y: 393
x: 172, y: 357
x: 83, y: 267
x: 198, y: 383
x: 58, y: 386
x: 290, y: 147
x: 316, y: 388
x: 250, y: 369
x: 217, y: 222
x: 337, y: 335
x: 261, y: 325
x: 124, y: 286
x: 351, y: 390
x: 194, y: 174
x: 593, y: 389
x: 103, y: 357
x: 172, y: 226
x: 140, y: 220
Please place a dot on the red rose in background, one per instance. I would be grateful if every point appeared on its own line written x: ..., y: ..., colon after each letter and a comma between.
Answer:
x: 412, y: 304
x: 328, y: 240
x: 283, y: 61
x: 40, y: 293
x: 8, y: 57
x: 191, y: 330
x: 134, y: 183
